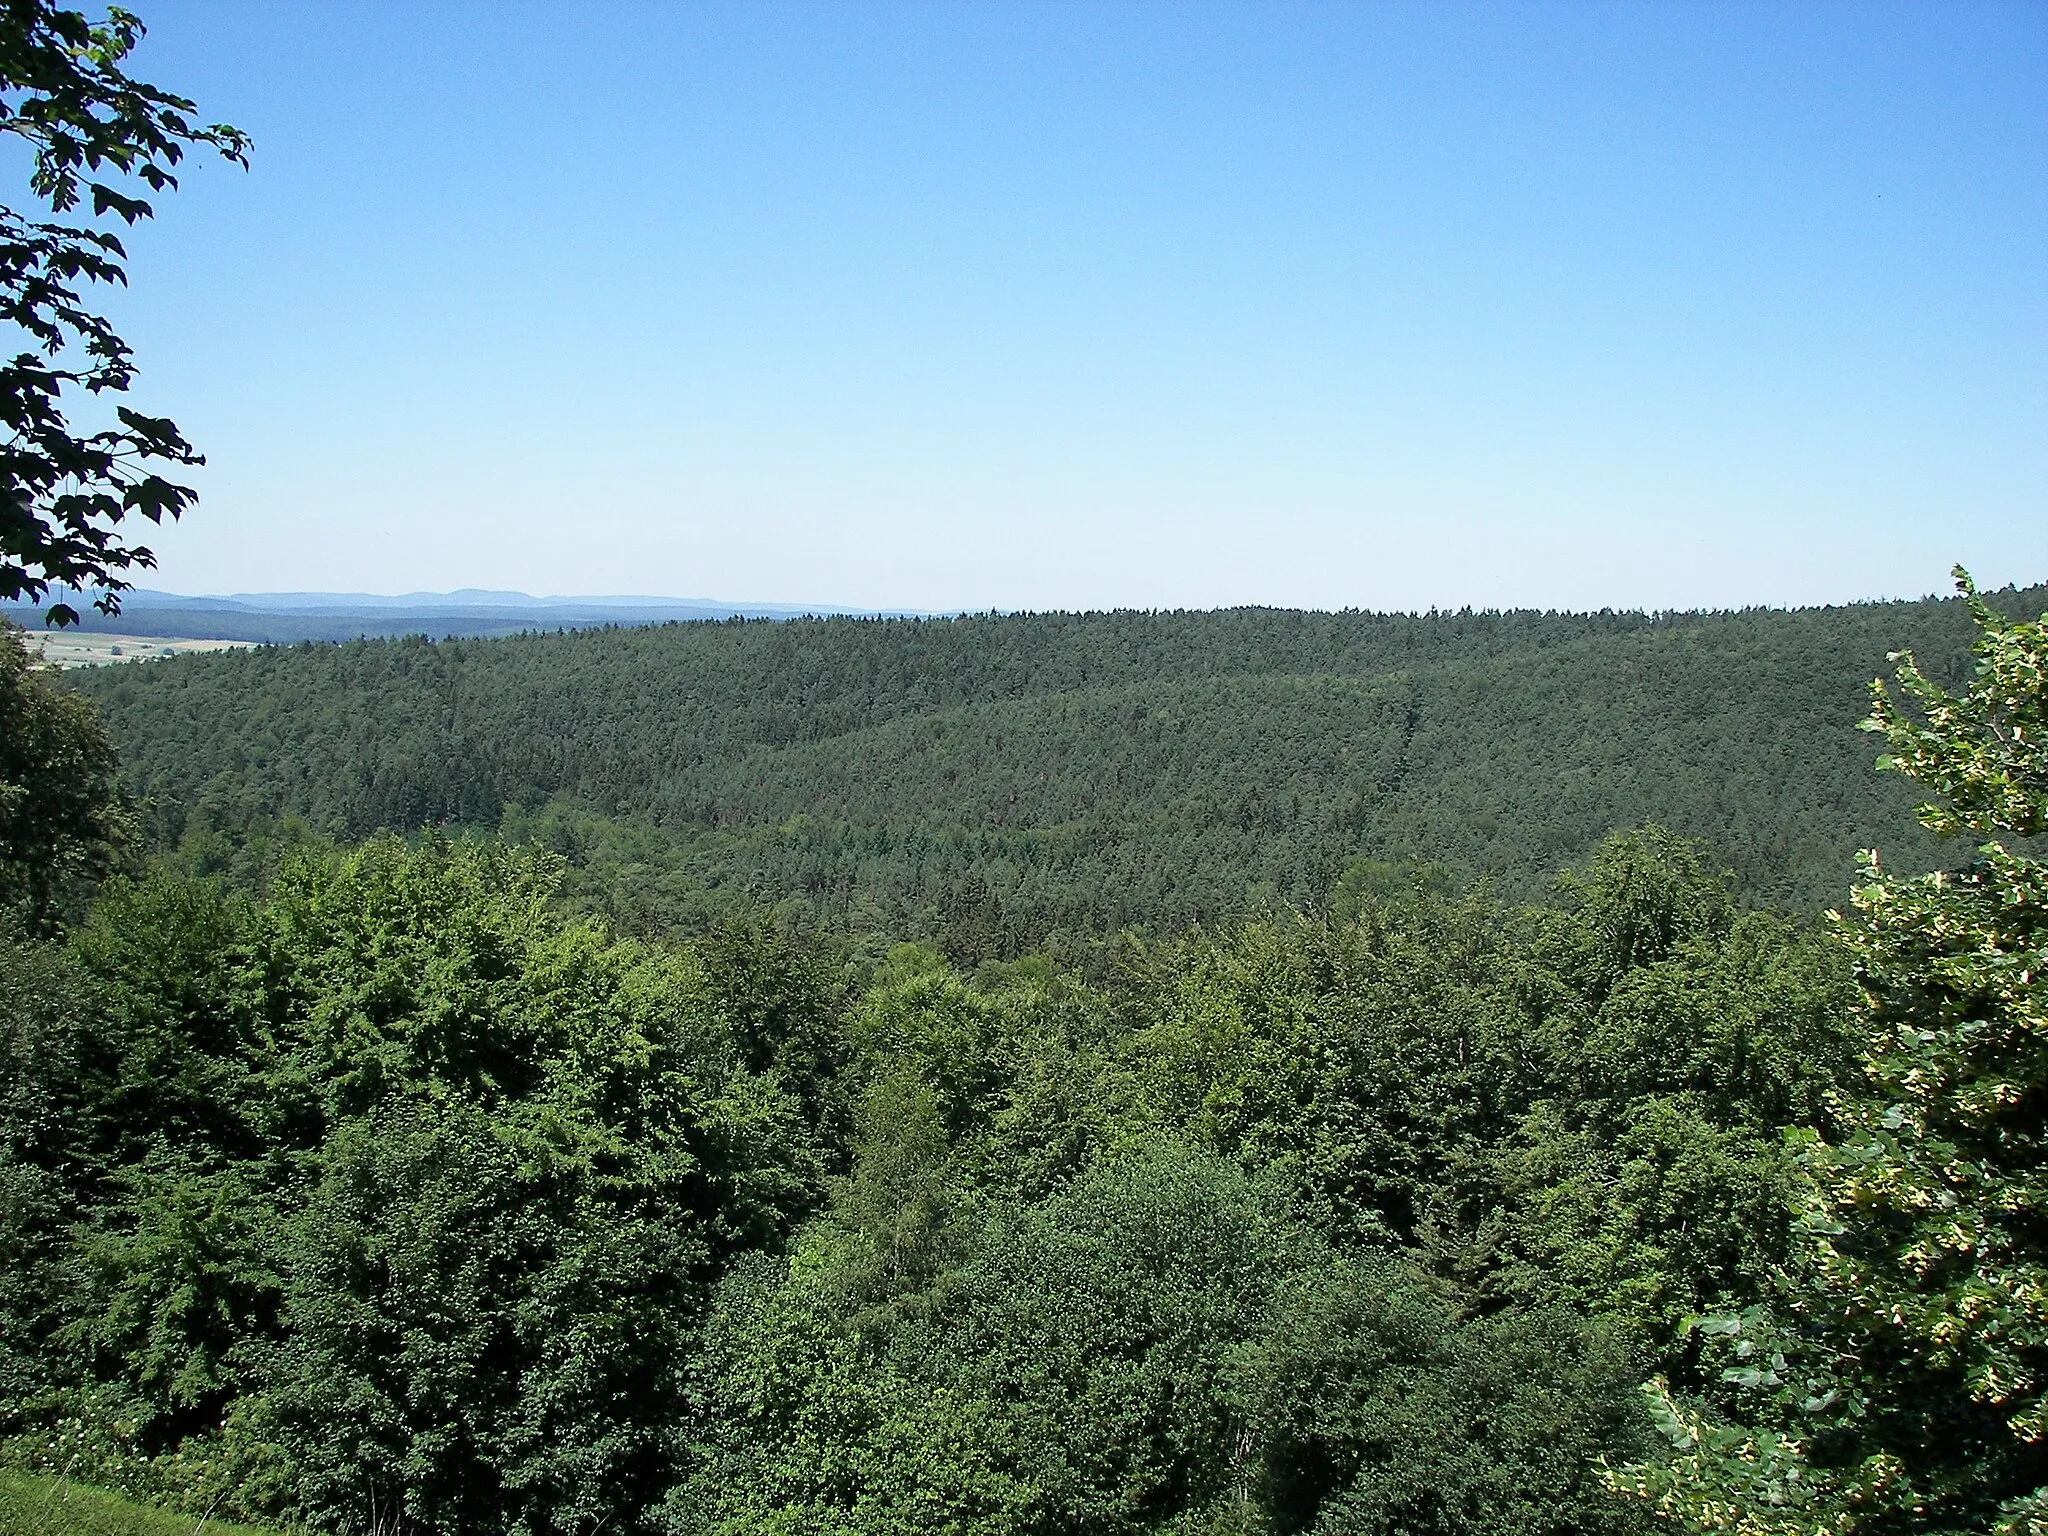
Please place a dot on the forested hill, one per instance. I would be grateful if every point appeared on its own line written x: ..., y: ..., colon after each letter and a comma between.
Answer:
x: 998, y: 778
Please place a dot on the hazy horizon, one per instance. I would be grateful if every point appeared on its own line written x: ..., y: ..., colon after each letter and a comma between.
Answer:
x: 143, y: 597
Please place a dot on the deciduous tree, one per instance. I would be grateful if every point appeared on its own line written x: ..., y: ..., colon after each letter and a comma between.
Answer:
x: 97, y: 136
x: 1900, y: 1383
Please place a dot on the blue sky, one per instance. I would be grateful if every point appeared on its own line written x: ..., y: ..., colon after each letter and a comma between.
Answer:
x: 1068, y: 305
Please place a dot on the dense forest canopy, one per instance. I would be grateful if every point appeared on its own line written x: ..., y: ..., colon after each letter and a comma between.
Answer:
x: 381, y: 1185
x: 989, y: 783
x: 394, y: 1189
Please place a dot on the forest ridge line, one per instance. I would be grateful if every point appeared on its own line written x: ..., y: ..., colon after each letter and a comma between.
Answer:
x: 992, y: 781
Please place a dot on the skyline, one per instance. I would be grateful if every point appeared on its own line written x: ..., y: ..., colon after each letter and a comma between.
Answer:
x: 918, y: 307
x: 141, y: 601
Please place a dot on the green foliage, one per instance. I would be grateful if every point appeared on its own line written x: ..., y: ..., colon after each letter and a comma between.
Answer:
x: 1372, y: 1063
x: 63, y: 493
x: 1903, y: 1383
x: 1368, y: 882
x: 1982, y: 751
x: 999, y: 785
x: 62, y: 824
x: 396, y: 1194
x: 1156, y: 1347
x: 396, y: 1191
x: 42, y: 1113
x: 1648, y: 1179
x: 388, y: 1185
x: 49, y: 1506
x: 1309, y: 1191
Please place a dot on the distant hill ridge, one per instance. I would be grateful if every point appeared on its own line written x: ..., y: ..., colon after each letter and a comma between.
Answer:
x: 1010, y: 777
x: 289, y: 617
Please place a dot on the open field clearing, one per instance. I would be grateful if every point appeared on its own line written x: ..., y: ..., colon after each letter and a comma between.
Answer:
x: 72, y: 648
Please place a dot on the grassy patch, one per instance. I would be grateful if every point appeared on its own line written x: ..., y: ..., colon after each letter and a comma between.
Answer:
x: 49, y: 1506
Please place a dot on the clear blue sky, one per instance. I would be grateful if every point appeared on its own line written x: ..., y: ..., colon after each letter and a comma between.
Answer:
x: 1072, y: 305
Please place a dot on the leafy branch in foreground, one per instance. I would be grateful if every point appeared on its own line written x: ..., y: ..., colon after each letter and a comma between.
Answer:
x: 1902, y: 1384
x: 64, y: 492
